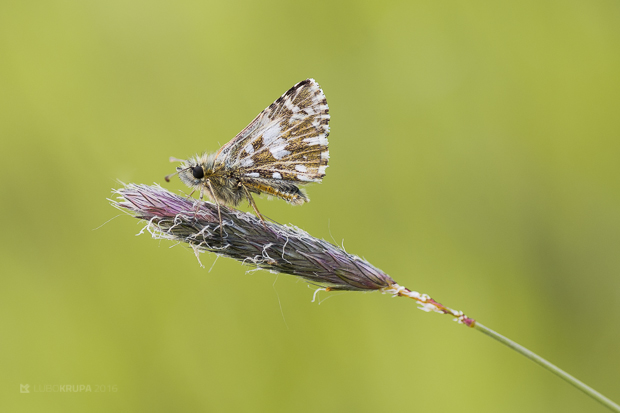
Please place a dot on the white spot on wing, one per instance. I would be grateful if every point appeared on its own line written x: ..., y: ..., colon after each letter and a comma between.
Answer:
x: 271, y: 133
x: 279, y: 152
x: 249, y: 148
x: 296, y: 117
x: 277, y: 175
x: 253, y: 174
x: 322, y: 169
x: 301, y: 168
x: 245, y: 162
x: 303, y: 177
x: 316, y: 140
x: 290, y: 106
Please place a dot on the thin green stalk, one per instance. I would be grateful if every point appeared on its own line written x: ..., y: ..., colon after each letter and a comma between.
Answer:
x: 289, y: 250
x: 552, y: 368
x: 426, y: 303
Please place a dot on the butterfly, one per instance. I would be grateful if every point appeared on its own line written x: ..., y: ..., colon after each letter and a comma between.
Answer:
x: 284, y: 147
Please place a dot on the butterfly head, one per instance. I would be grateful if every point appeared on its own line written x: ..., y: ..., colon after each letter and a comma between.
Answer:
x: 195, y: 171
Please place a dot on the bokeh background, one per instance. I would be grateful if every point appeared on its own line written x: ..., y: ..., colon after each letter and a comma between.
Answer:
x: 475, y: 157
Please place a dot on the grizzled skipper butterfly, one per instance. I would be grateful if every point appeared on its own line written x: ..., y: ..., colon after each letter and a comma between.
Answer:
x: 284, y: 147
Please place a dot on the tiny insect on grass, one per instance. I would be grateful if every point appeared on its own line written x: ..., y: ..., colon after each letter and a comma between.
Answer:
x: 284, y: 147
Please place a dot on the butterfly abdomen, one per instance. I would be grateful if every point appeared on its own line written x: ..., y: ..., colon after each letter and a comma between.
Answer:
x: 283, y: 190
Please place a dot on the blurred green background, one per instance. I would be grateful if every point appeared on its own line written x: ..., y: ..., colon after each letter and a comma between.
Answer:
x: 474, y: 157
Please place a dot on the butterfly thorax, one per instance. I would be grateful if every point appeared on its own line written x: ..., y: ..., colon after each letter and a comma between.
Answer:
x: 212, y: 178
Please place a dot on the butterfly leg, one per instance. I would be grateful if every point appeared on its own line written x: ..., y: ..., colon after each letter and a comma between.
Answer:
x: 251, y: 201
x: 219, y: 212
x: 196, y: 203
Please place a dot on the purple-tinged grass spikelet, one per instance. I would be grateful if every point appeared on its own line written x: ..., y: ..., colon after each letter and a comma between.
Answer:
x: 287, y: 249
x: 274, y: 247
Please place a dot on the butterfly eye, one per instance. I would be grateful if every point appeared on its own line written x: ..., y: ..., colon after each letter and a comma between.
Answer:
x: 198, y: 172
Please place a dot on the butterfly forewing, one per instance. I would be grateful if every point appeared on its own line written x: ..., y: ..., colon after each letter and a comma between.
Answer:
x: 285, y: 142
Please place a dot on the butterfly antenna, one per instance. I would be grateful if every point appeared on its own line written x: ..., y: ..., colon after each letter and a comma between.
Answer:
x: 173, y: 159
x: 167, y: 177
